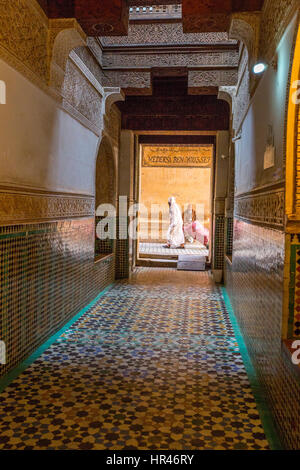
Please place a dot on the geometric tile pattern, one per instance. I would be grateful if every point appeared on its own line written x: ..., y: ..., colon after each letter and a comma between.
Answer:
x: 122, y: 248
x: 47, y: 275
x: 255, y: 285
x: 153, y: 364
x: 219, y: 231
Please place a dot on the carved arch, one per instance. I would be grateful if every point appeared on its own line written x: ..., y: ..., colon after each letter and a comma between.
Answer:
x: 105, y: 181
x: 246, y: 28
x: 64, y: 36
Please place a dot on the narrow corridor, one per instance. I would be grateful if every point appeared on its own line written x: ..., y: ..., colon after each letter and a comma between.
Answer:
x: 153, y: 364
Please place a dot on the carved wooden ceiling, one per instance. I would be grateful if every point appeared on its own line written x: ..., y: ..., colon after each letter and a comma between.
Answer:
x: 213, y: 15
x: 170, y: 108
x: 111, y: 17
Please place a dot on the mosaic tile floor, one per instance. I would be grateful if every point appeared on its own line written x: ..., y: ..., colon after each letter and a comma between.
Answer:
x: 154, y: 364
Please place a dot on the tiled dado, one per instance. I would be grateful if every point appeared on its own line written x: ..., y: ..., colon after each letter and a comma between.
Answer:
x: 48, y: 275
x: 219, y: 230
x: 255, y: 285
x: 294, y: 288
x: 122, y: 249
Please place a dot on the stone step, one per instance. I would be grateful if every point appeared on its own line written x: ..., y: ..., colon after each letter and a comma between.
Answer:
x: 156, y: 263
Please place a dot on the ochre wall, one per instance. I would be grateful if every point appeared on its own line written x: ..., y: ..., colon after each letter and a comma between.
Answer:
x: 42, y: 146
x: 188, y: 185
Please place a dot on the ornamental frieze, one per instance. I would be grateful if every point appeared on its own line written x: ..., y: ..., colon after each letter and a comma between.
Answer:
x: 24, y: 206
x: 265, y: 208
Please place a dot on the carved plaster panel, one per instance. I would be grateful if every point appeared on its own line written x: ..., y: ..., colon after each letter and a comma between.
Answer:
x: 245, y: 27
x: 17, y: 206
x: 266, y: 208
x: 241, y: 100
x: 91, y: 61
x: 82, y: 94
x: 24, y: 34
x: 229, y: 58
x: 126, y: 79
x: 276, y: 15
x: 162, y: 33
x: 64, y: 36
x: 212, y: 78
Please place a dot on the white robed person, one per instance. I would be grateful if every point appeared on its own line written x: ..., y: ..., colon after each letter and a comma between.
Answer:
x: 175, y: 235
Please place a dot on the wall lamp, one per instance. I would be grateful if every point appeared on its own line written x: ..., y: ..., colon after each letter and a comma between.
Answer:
x: 259, y: 68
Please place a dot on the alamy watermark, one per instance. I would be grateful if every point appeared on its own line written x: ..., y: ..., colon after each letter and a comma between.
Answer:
x: 2, y: 92
x: 130, y: 218
x: 2, y: 353
x: 296, y: 354
x: 296, y: 94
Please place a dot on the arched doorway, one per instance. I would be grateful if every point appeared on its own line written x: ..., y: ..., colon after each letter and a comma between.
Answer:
x: 105, y: 196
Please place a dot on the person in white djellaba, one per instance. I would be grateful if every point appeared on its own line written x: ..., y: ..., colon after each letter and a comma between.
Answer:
x: 175, y: 235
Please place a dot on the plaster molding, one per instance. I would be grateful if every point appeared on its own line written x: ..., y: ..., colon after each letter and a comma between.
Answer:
x: 245, y: 27
x: 19, y: 205
x: 263, y: 208
x: 72, y: 111
x: 64, y: 35
x: 87, y: 73
x: 112, y: 95
x: 227, y: 93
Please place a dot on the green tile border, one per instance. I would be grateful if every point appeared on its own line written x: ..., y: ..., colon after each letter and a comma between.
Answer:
x: 263, y: 408
x: 14, y: 373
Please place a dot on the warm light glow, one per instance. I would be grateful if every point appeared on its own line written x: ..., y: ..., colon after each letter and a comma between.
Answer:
x: 259, y: 68
x: 291, y: 156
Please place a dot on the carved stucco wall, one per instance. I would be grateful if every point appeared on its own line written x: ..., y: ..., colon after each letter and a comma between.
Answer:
x: 162, y: 33
x: 126, y: 79
x: 276, y: 15
x: 241, y: 96
x: 81, y: 94
x: 177, y: 59
x: 212, y: 78
x: 24, y: 34
x: 92, y: 57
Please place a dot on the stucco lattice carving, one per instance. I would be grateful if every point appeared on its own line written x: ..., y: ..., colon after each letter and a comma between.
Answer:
x: 276, y: 14
x: 24, y: 34
x: 19, y: 206
x: 265, y: 208
x: 212, y: 78
x: 81, y: 94
x: 126, y: 79
x: 246, y: 27
x: 164, y: 33
x: 176, y: 59
x: 64, y: 36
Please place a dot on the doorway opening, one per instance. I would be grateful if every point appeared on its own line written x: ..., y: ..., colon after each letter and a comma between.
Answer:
x: 182, y: 171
